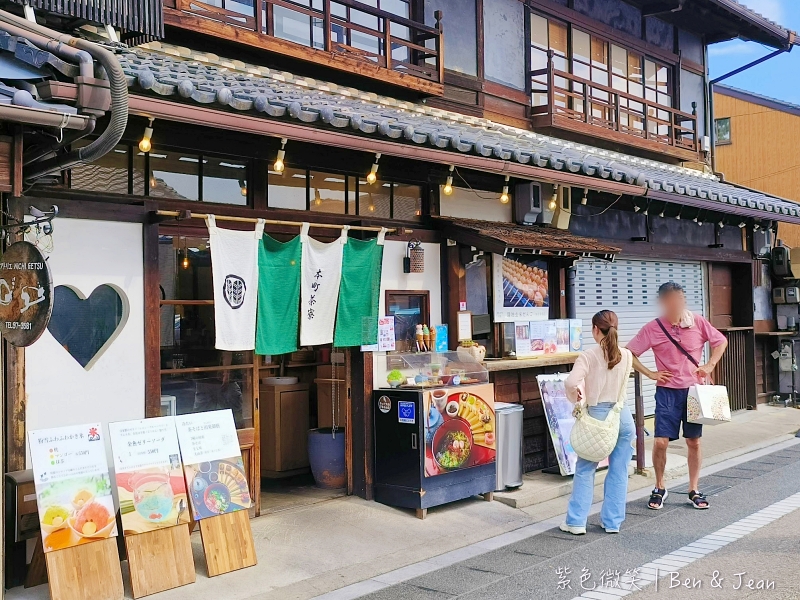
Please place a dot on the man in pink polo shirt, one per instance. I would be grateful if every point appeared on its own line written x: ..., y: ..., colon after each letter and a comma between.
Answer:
x: 677, y: 339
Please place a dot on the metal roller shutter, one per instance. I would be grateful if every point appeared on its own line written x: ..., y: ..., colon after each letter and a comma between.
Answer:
x: 629, y: 288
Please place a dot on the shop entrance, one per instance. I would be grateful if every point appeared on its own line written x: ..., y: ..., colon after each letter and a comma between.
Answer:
x: 288, y: 409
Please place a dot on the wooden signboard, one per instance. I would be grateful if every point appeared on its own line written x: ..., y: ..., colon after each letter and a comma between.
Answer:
x: 228, y: 542
x: 160, y: 560
x: 85, y: 571
x: 26, y: 294
x: 76, y: 512
x: 218, y: 492
x: 153, y: 504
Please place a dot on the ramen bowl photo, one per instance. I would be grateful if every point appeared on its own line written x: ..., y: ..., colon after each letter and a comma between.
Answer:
x: 452, y: 444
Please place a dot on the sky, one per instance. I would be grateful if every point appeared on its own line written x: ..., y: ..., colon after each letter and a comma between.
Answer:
x: 779, y: 77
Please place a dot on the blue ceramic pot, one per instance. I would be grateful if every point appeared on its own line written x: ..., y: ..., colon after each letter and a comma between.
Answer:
x: 326, y: 455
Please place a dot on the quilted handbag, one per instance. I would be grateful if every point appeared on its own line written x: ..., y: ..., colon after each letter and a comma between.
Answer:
x: 593, y: 439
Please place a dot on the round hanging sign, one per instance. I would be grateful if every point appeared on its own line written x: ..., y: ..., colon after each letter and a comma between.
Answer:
x: 26, y: 294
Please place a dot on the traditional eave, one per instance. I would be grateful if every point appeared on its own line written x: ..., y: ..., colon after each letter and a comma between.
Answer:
x: 237, y: 95
x: 508, y: 238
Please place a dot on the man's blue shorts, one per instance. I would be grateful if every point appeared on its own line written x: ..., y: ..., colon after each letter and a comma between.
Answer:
x: 671, y: 412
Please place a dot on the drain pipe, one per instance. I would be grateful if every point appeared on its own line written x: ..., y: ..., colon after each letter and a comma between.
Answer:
x: 119, y: 99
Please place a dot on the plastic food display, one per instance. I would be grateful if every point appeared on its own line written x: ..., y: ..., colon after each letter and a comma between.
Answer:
x: 423, y: 370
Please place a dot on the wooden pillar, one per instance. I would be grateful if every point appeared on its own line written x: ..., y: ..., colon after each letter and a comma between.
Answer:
x: 152, y: 315
x: 362, y: 466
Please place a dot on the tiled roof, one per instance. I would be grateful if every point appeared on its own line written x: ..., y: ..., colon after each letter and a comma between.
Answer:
x: 547, y: 240
x: 207, y: 79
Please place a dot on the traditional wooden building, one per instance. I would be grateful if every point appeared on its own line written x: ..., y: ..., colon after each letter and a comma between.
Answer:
x: 567, y: 132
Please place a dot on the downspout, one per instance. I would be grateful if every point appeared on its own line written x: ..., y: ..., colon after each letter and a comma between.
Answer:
x: 119, y: 99
x: 711, y: 83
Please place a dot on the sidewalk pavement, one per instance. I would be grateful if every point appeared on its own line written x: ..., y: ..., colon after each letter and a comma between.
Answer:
x: 312, y: 550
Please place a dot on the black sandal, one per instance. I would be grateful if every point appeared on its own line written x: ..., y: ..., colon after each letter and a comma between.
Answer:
x: 698, y: 500
x: 657, y: 497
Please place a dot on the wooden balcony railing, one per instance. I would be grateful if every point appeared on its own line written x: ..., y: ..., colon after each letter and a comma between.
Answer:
x: 340, y: 27
x: 571, y: 102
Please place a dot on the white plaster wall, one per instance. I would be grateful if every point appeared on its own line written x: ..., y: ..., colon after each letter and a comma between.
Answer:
x: 393, y: 278
x: 60, y: 391
x: 475, y: 204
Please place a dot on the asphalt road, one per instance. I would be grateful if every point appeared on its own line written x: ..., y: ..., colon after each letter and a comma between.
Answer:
x: 556, y: 565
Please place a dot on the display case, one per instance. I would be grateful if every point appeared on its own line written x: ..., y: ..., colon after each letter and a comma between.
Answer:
x: 420, y: 370
x: 434, y: 430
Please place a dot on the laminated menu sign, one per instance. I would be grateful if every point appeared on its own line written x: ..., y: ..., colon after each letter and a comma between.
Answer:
x: 212, y: 463
x: 150, y: 484
x: 73, y: 487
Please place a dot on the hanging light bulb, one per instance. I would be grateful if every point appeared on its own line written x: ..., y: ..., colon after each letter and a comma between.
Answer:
x: 279, y: 166
x: 721, y: 224
x: 636, y: 208
x: 504, y: 197
x: 185, y: 261
x: 742, y: 225
x: 647, y: 209
x: 243, y: 187
x: 678, y: 216
x: 585, y: 199
x: 448, y: 186
x: 145, y: 144
x: 153, y: 181
x: 661, y: 214
x: 554, y: 200
x: 372, y: 176
x: 317, y: 198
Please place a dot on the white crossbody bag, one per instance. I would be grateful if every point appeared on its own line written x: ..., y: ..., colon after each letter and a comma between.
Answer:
x: 593, y: 439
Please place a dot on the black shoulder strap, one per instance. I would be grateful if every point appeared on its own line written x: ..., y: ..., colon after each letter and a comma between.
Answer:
x: 677, y: 345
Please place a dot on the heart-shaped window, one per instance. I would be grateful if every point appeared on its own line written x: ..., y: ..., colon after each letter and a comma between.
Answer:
x: 86, y: 327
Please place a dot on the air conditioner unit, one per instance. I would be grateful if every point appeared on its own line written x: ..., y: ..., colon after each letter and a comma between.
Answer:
x: 563, y: 210
x: 527, y: 203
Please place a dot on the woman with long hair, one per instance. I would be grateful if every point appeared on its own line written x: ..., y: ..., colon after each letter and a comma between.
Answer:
x: 596, y: 380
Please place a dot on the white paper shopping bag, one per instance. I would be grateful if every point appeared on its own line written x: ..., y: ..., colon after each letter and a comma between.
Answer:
x: 708, y: 405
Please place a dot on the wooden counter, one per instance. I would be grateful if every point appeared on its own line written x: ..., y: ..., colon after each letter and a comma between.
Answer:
x: 515, y: 381
x: 510, y: 364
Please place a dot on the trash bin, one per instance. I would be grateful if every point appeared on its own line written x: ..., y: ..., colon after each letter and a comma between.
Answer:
x: 509, y: 445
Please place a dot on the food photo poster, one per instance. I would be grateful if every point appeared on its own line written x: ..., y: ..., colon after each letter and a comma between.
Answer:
x: 459, y: 428
x: 521, y: 288
x: 212, y: 461
x: 149, y: 474
x: 73, y: 486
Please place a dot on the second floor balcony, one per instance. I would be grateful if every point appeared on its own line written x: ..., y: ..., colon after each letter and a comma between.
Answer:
x: 620, y: 110
x: 379, y: 40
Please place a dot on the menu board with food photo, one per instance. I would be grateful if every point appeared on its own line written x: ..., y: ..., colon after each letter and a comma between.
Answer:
x: 212, y: 462
x: 521, y: 287
x: 459, y: 428
x: 73, y: 487
x: 560, y: 421
x: 150, y: 484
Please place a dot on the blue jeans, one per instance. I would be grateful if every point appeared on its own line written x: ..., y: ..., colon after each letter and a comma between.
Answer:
x: 615, y: 488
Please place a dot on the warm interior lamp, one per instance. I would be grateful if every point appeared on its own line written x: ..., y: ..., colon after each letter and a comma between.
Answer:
x: 585, y: 199
x: 145, y: 145
x: 279, y: 166
x: 243, y: 187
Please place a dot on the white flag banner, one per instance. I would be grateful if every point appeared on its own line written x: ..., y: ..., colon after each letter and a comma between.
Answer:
x: 234, y: 270
x: 319, y: 287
